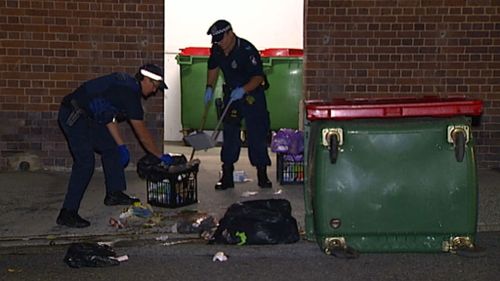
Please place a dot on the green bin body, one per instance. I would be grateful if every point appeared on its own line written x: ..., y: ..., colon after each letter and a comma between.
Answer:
x: 193, y: 68
x: 391, y: 175
x: 283, y: 68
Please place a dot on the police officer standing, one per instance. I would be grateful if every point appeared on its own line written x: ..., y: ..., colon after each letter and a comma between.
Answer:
x: 89, y: 118
x: 243, y: 89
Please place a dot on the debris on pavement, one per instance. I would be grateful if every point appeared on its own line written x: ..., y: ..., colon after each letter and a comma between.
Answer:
x: 162, y: 238
x: 219, y: 256
x: 192, y: 222
x: 249, y: 193
x: 116, y: 223
x: 86, y: 254
x: 257, y: 222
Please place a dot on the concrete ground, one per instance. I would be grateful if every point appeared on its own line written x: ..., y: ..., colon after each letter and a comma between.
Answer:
x: 30, y: 202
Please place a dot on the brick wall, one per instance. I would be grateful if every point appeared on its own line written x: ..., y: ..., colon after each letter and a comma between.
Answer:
x: 47, y: 48
x: 373, y: 48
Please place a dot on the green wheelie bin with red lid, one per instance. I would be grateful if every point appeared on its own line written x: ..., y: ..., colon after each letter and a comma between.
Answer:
x: 391, y: 175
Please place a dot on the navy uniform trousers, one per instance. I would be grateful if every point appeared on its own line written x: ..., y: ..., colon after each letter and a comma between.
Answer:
x: 84, y: 138
x: 253, y: 109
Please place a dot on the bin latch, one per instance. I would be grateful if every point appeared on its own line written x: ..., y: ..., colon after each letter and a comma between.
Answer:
x: 333, y: 138
x: 337, y: 246
x: 459, y: 136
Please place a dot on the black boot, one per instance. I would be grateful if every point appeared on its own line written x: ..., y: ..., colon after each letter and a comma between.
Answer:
x: 226, y: 181
x: 71, y: 218
x: 119, y: 198
x: 263, y: 180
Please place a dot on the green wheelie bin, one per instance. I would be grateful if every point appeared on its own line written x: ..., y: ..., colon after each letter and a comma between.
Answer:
x: 391, y: 175
x: 193, y: 68
x: 283, y: 68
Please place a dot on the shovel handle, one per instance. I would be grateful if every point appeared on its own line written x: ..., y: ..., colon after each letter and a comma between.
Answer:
x: 216, y: 130
x: 204, y: 116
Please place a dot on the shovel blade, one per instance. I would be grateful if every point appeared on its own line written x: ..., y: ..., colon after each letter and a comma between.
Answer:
x: 200, y: 141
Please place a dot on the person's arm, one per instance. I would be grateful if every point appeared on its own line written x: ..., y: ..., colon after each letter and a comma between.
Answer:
x: 145, y: 137
x: 212, y: 75
x: 254, y: 82
x: 115, y: 132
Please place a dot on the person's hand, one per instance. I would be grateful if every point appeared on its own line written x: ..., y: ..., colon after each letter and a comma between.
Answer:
x: 167, y: 159
x: 209, y: 93
x: 237, y: 93
x: 124, y: 155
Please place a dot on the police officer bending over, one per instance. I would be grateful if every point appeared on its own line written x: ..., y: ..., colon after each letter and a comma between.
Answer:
x: 243, y: 89
x: 89, y: 119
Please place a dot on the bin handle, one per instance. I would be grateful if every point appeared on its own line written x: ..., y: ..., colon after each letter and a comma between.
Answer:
x: 459, y: 139
x: 333, y: 147
x: 181, y: 60
x: 268, y: 63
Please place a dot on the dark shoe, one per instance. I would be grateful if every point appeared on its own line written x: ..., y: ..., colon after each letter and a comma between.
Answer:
x: 263, y: 180
x: 119, y: 198
x: 226, y: 180
x: 71, y: 219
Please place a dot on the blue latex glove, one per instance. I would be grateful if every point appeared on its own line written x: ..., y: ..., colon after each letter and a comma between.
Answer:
x: 237, y: 93
x: 167, y: 159
x: 124, y: 155
x: 209, y: 93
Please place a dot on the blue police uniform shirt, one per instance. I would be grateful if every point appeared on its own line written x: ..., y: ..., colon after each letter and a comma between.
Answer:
x: 120, y: 91
x: 242, y: 63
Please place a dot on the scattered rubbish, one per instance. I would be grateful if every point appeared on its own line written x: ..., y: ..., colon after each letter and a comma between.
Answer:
x: 162, y: 238
x: 195, y: 223
x: 257, y: 222
x: 116, y: 223
x: 279, y: 191
x: 238, y: 176
x: 219, y: 256
x: 14, y: 270
x: 138, y: 210
x: 178, y: 242
x: 121, y: 258
x: 87, y: 254
x: 249, y: 193
x: 136, y: 215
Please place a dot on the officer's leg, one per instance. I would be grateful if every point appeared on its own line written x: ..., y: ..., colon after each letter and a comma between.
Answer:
x: 114, y: 174
x: 258, y: 124
x: 83, y: 162
x: 230, y: 151
x: 83, y: 167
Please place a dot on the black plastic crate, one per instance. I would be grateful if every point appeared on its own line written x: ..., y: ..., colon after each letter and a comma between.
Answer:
x: 290, y: 169
x: 176, y: 190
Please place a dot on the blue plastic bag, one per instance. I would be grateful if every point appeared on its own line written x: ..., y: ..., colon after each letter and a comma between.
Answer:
x: 288, y: 141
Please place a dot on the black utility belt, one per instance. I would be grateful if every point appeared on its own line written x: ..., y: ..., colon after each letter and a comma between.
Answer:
x: 76, y: 111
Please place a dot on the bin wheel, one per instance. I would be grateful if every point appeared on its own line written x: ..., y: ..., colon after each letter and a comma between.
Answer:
x: 345, y: 253
x: 473, y: 252
x: 334, y: 150
x: 459, y: 142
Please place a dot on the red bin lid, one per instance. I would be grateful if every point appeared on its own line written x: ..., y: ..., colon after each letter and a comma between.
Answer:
x: 341, y: 109
x: 195, y: 51
x: 275, y: 52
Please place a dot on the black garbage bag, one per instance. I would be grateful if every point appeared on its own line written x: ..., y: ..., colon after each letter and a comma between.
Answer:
x: 90, y: 255
x: 257, y: 222
x: 151, y: 168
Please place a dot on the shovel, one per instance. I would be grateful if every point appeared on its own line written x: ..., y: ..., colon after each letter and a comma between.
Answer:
x: 200, y: 140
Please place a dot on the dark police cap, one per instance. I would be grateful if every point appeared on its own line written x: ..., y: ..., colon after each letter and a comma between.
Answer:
x: 155, y: 73
x: 218, y: 29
